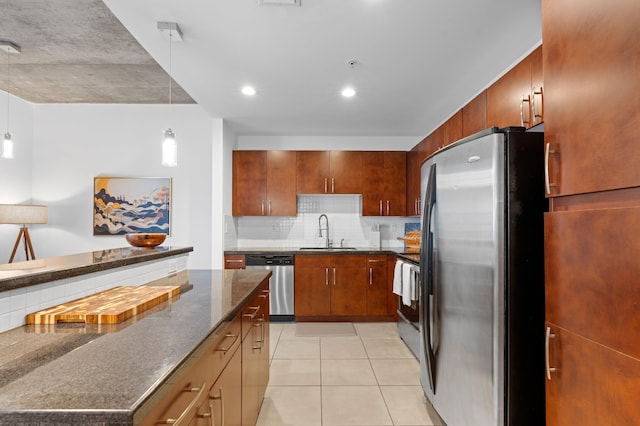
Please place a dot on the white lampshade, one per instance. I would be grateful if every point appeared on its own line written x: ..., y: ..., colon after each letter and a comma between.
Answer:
x: 169, y: 149
x: 23, y: 214
x: 7, y: 146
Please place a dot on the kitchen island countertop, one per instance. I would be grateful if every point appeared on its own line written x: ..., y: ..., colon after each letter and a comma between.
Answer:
x: 38, y: 271
x: 82, y: 374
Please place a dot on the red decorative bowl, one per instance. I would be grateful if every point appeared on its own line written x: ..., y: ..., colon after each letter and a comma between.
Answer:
x: 145, y: 240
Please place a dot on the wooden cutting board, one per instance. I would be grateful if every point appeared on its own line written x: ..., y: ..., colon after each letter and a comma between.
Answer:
x: 107, y: 307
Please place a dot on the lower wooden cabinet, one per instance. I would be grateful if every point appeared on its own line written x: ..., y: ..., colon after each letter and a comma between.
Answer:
x: 342, y: 287
x: 589, y: 384
x: 255, y: 356
x: 225, y: 379
x: 377, y: 288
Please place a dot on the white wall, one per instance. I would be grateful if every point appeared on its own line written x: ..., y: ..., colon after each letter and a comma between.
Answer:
x: 326, y: 143
x: 15, y: 175
x: 74, y: 143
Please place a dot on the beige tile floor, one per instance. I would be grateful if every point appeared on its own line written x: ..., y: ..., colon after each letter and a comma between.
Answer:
x: 364, y: 380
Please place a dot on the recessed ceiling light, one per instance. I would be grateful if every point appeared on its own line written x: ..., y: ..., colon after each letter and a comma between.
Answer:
x: 348, y: 92
x: 248, y: 90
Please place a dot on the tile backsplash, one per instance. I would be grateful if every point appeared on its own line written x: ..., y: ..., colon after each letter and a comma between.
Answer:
x: 345, y: 222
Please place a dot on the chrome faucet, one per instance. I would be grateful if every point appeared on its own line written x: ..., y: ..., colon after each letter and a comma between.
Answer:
x: 326, y: 228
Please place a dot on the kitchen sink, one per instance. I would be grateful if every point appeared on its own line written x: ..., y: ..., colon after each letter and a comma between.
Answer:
x: 327, y: 248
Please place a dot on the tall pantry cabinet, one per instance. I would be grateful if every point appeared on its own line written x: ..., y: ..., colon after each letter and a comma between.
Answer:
x: 591, y: 69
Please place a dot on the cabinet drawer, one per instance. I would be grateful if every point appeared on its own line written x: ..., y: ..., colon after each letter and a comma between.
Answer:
x: 353, y: 260
x: 591, y: 270
x: 311, y: 260
x: 234, y: 261
x: 182, y: 394
x: 255, y: 309
x: 224, y: 346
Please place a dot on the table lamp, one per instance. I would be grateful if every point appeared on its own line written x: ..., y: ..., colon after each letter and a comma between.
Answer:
x: 23, y: 214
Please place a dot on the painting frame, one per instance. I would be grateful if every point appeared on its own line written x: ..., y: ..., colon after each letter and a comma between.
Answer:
x: 124, y: 204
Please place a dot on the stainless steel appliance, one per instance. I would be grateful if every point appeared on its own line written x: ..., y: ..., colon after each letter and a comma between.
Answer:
x: 281, y: 282
x: 409, y: 318
x: 482, y: 280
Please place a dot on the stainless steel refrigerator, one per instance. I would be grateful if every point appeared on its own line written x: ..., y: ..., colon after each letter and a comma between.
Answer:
x: 482, y: 280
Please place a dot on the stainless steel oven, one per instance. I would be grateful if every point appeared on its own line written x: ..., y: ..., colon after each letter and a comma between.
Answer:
x: 409, y: 314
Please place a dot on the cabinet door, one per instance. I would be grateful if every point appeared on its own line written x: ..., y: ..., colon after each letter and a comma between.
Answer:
x: 345, y: 172
x: 373, y: 179
x: 312, y: 291
x: 312, y: 172
x: 377, y: 286
x: 263, y: 356
x: 249, y: 183
x: 509, y: 98
x: 250, y: 374
x: 474, y: 115
x: 348, y: 285
x: 453, y: 128
x: 537, y: 89
x: 395, y: 183
x: 592, y: 108
x: 591, y: 272
x: 225, y: 396
x: 281, y: 183
x: 591, y: 384
x: 413, y: 182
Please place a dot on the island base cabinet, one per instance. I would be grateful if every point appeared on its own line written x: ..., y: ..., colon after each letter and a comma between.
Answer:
x: 588, y: 383
x: 255, y: 356
x: 225, y: 396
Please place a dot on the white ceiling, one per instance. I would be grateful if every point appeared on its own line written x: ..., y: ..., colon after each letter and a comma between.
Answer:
x: 418, y: 60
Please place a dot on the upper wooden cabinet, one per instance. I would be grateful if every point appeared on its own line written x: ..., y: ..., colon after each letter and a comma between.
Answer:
x: 452, y: 129
x: 592, y: 107
x: 384, y: 183
x: 515, y: 99
x: 413, y: 182
x: 329, y: 172
x: 474, y: 115
x: 264, y: 183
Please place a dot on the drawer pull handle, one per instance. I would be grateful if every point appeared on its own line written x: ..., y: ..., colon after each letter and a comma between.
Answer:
x: 549, y: 369
x: 547, y: 152
x: 234, y: 261
x: 526, y: 98
x: 226, y: 349
x: 221, y: 398
x: 190, y: 407
x: 255, y: 312
x: 533, y: 103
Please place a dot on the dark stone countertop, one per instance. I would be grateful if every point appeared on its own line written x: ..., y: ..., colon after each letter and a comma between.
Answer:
x: 402, y: 252
x: 77, y: 374
x: 38, y: 271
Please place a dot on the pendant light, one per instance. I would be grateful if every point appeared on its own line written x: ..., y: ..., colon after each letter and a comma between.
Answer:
x: 7, y: 141
x: 169, y: 145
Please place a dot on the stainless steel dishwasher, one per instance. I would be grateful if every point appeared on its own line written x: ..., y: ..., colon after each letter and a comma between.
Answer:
x: 281, y: 283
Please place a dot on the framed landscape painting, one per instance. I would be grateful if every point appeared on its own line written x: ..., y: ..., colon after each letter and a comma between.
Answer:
x: 124, y: 205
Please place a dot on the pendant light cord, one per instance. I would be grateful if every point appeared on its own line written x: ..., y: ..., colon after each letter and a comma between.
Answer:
x: 170, y: 62
x: 8, y: 87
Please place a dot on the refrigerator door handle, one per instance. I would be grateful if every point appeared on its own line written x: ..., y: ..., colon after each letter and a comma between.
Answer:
x: 427, y: 282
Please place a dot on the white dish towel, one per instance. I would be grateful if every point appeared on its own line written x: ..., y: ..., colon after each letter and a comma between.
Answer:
x: 408, y: 284
x: 397, y: 278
